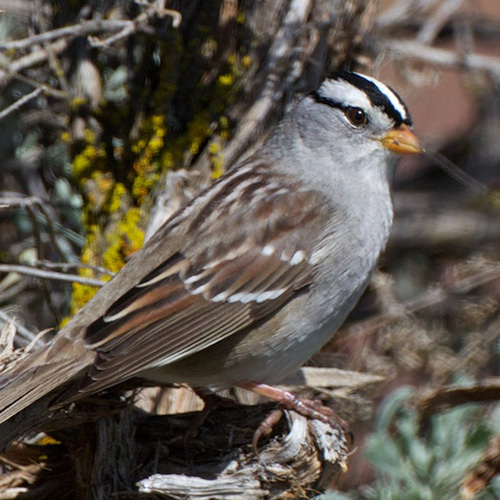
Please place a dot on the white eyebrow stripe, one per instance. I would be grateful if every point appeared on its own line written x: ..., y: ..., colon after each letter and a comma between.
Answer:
x: 346, y: 93
x: 393, y: 98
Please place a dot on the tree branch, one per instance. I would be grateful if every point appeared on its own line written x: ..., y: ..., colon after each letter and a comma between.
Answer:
x: 52, y: 275
x: 404, y: 50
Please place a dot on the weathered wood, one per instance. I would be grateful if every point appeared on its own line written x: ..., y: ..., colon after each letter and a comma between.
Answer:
x: 198, y: 455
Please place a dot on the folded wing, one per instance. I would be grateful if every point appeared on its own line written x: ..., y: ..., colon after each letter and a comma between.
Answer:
x: 210, y: 288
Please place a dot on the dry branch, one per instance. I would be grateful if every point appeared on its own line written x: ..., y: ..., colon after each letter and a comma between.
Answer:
x: 123, y: 451
x: 19, y: 103
x: 275, y: 74
x: 20, y: 330
x: 197, y: 455
x: 484, y: 472
x: 9, y: 70
x: 433, y: 25
x: 433, y: 297
x: 51, y: 275
x: 85, y: 28
x: 408, y: 51
x: 450, y: 397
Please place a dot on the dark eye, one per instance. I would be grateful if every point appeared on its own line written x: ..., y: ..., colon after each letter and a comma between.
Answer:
x: 357, y: 117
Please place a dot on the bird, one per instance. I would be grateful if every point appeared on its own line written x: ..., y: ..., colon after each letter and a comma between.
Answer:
x: 255, y: 274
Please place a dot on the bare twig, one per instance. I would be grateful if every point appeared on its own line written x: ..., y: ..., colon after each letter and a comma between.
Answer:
x: 460, y: 287
x: 484, y: 472
x: 158, y: 7
x: 40, y: 252
x: 51, y: 230
x: 272, y: 91
x: 7, y: 334
x: 445, y: 398
x: 125, y: 32
x: 27, y: 202
x: 36, y: 231
x: 404, y: 50
x: 431, y: 28
x: 457, y: 173
x: 27, y: 334
x: 52, y: 275
x: 18, y: 200
x: 85, y: 28
x: 55, y: 66
x: 92, y: 27
x: 431, y: 298
x: 56, y: 41
x: 21, y: 102
x: 64, y: 266
x: 400, y: 11
x: 9, y: 69
x: 47, y: 89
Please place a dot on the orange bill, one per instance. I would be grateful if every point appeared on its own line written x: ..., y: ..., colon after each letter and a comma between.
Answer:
x: 402, y: 140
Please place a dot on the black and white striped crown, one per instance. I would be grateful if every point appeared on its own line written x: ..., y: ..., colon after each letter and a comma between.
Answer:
x: 344, y: 89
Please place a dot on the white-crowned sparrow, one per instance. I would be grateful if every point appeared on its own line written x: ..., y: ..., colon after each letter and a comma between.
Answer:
x: 256, y: 273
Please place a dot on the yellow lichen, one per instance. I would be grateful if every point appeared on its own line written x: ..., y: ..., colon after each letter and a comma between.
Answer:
x: 224, y: 128
x: 226, y: 80
x: 116, y: 198
x: 217, y: 159
x: 126, y: 239
x: 65, y: 137
x: 77, y: 103
x: 246, y: 61
x: 83, y: 293
x: 112, y: 210
x: 88, y: 159
x: 147, y: 165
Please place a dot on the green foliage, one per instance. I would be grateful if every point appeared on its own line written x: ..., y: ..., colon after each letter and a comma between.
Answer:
x: 424, y: 463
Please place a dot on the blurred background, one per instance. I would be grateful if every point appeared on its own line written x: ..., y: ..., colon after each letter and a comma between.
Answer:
x: 114, y: 113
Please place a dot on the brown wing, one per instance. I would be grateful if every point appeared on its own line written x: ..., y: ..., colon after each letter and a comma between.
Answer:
x: 212, y: 287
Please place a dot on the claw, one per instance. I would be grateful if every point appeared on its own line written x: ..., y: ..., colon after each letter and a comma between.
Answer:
x: 266, y: 427
x: 288, y: 400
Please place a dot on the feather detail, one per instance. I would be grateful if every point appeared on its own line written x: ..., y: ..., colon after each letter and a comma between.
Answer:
x: 212, y: 287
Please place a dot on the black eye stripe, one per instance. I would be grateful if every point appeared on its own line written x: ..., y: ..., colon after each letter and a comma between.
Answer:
x: 374, y: 94
x: 333, y: 104
x: 326, y: 100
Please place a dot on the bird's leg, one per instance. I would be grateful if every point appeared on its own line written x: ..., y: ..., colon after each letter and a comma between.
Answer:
x: 290, y: 401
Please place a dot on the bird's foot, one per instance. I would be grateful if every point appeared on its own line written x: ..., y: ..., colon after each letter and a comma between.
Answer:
x: 288, y: 400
